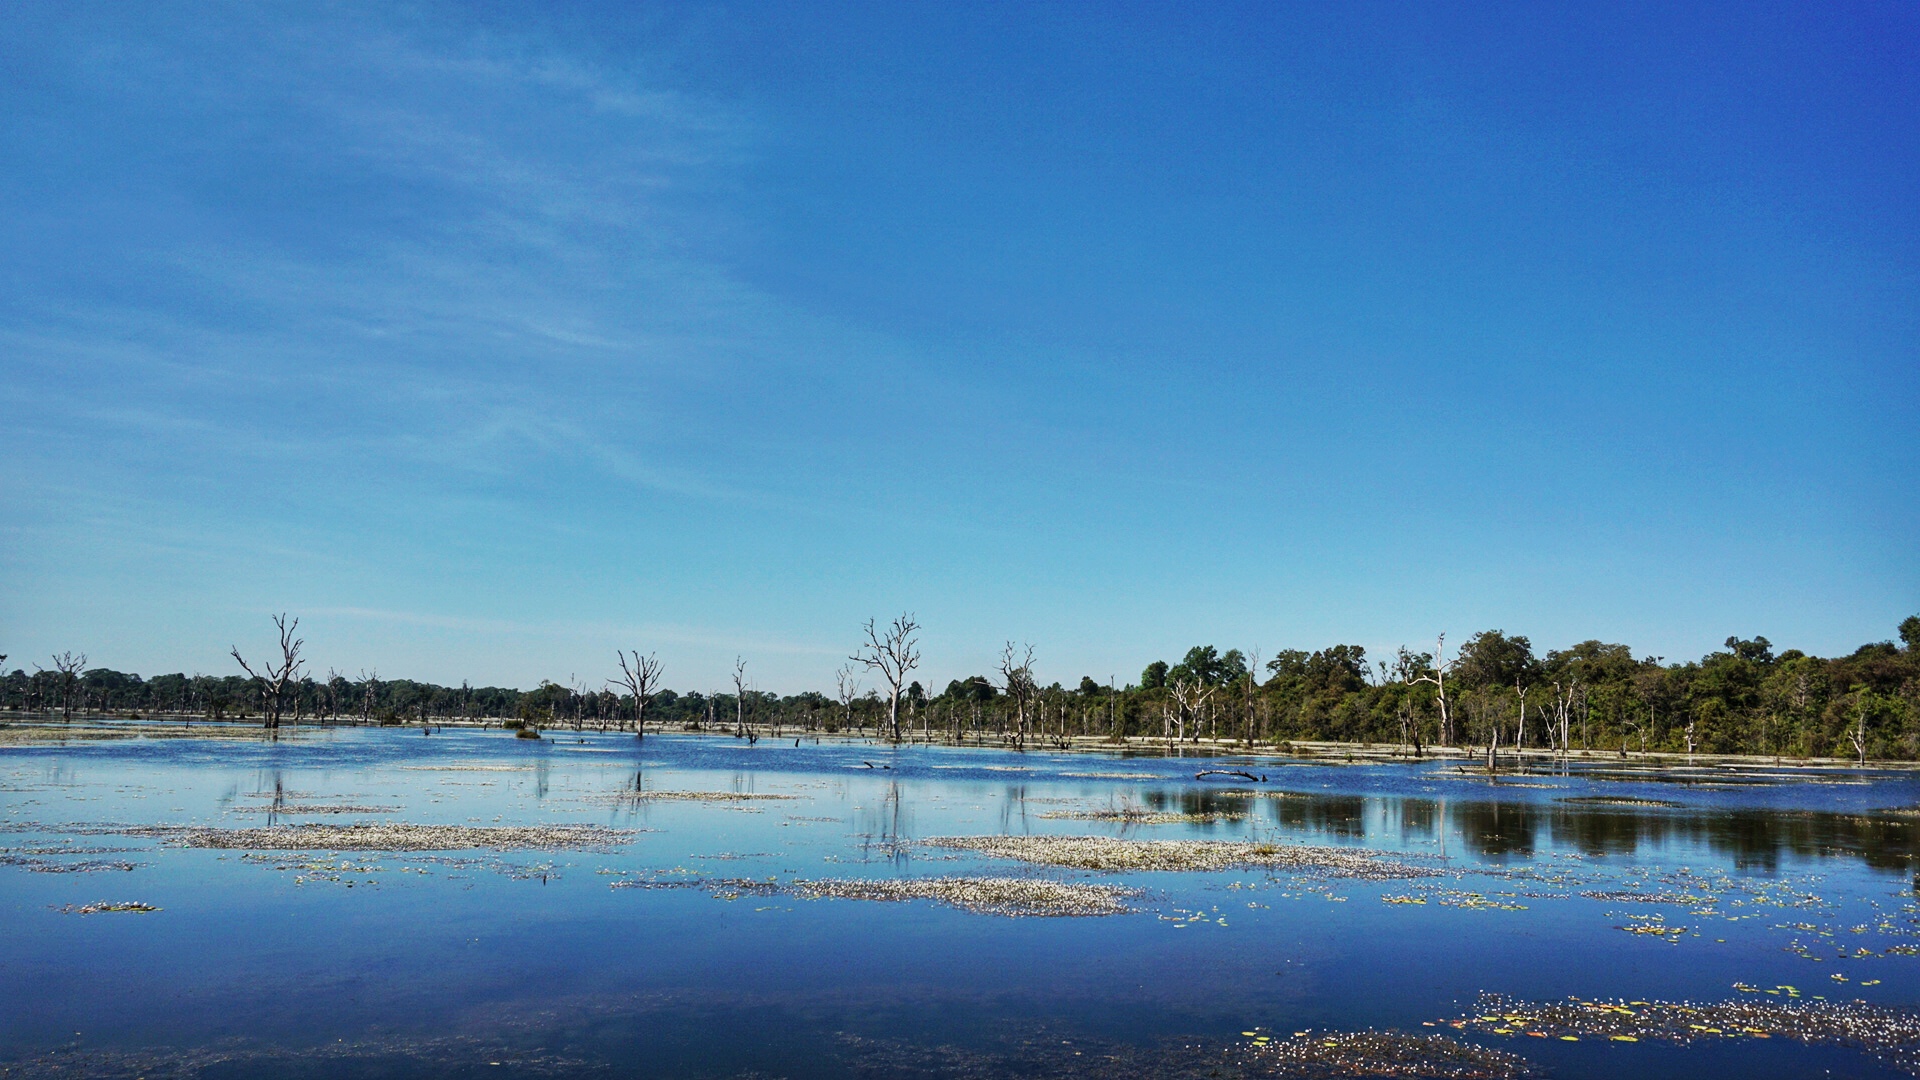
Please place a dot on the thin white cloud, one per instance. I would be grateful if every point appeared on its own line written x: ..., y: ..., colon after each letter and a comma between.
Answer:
x: 649, y: 635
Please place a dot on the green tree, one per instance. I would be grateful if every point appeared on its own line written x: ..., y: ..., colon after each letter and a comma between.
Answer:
x: 1491, y: 658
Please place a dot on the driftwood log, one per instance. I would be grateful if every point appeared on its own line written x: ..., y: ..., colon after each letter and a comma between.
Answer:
x: 1204, y: 773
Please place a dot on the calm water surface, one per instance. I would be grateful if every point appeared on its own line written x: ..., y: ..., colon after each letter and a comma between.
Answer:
x: 550, y: 962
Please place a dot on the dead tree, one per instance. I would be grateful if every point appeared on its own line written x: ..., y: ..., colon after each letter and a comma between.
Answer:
x: 1437, y: 675
x: 274, y: 678
x: 893, y: 652
x: 739, y: 698
x: 1563, y: 700
x: 1253, y: 687
x: 1520, y: 733
x: 1189, y: 698
x: 1017, y: 674
x: 68, y: 666
x: 849, y: 693
x: 1858, y: 736
x: 1405, y: 667
x: 642, y: 680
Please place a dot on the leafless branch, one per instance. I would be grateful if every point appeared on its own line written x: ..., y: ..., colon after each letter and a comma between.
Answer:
x: 892, y: 651
x: 274, y: 678
x: 642, y: 679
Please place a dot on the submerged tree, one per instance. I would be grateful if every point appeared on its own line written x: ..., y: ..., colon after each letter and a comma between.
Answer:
x: 642, y: 679
x: 893, y: 652
x: 848, y: 689
x: 274, y: 678
x: 739, y: 697
x: 1017, y: 672
x: 67, y: 667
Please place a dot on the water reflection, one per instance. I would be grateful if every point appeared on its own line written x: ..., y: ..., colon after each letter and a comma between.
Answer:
x: 1494, y: 829
x: 884, y: 824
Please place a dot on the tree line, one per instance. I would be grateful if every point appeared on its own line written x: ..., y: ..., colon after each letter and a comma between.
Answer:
x: 1493, y: 693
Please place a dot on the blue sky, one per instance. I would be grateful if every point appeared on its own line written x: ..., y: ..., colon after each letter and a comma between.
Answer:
x: 491, y: 338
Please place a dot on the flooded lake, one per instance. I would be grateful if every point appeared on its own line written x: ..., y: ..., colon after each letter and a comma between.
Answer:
x: 356, y: 902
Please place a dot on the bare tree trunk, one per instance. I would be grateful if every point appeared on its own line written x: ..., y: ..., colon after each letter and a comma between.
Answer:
x: 642, y: 680
x: 69, y: 666
x: 893, y: 652
x: 1438, y: 677
x: 1520, y: 733
x: 274, y: 678
x: 1017, y: 673
x: 739, y: 698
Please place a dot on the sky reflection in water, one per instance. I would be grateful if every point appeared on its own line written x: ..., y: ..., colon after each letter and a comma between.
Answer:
x: 437, y: 963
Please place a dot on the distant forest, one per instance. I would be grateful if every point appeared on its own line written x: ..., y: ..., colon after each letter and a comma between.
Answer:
x: 1493, y: 691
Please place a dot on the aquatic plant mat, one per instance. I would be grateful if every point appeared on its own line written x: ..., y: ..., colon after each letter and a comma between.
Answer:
x: 688, y: 796
x: 985, y: 895
x: 1891, y: 1035
x: 102, y: 907
x: 834, y: 1035
x: 37, y: 865
x: 389, y: 837
x: 1384, y: 1053
x: 311, y: 809
x: 54, y: 732
x: 1014, y: 897
x: 1111, y: 854
x: 1319, y: 1057
x: 541, y: 1045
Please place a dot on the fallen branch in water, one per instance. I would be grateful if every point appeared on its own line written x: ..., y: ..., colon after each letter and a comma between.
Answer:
x: 1204, y: 773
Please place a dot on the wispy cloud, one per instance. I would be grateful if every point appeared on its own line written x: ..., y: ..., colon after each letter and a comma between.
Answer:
x: 651, y: 633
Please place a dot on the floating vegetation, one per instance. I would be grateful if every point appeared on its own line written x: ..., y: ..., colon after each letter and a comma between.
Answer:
x: 1619, y: 800
x: 1183, y: 918
x: 309, y: 809
x: 36, y: 865
x: 983, y: 895
x: 1108, y: 853
x: 1110, y: 775
x: 1457, y: 898
x: 389, y: 837
x: 679, y: 878
x: 1654, y: 926
x: 1133, y: 816
x: 1039, y: 1051
x: 1384, y: 1053
x: 1630, y: 896
x: 84, y: 731
x: 102, y: 907
x: 689, y: 796
x: 1892, y: 1035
